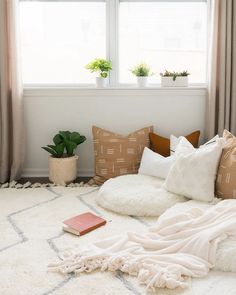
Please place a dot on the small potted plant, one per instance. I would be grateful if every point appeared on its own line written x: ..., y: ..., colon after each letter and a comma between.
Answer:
x: 174, y: 79
x: 63, y: 161
x: 142, y: 72
x: 102, y: 67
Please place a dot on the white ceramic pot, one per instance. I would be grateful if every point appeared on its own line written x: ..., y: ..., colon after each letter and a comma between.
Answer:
x: 178, y: 82
x: 62, y: 170
x: 101, y: 82
x: 142, y: 81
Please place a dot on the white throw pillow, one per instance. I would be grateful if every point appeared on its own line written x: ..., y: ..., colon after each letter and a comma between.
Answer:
x: 174, y: 141
x: 153, y: 164
x: 194, y: 171
x: 184, y: 146
x: 211, y: 141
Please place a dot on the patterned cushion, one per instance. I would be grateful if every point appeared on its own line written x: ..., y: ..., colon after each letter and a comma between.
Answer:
x: 226, y: 177
x: 116, y: 154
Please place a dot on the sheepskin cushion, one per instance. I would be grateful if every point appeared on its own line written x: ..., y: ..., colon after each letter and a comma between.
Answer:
x: 138, y: 195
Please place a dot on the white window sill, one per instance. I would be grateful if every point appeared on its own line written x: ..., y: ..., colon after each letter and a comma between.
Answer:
x: 91, y: 90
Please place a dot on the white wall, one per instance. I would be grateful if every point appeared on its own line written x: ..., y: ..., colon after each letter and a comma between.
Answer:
x: 177, y: 111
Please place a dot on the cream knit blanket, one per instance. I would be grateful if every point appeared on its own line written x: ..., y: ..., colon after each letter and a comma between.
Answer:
x: 177, y: 247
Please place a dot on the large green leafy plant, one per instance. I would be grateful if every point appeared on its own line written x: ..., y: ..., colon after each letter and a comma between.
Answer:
x: 175, y: 74
x: 102, y: 66
x: 65, y: 142
x: 141, y: 70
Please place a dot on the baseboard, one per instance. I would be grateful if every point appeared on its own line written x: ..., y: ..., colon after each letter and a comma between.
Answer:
x: 43, y: 172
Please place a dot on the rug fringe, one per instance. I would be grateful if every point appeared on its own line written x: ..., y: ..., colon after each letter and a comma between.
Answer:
x: 28, y: 184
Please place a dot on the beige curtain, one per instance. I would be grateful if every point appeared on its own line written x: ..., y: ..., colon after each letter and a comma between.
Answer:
x: 221, y: 104
x: 11, y: 116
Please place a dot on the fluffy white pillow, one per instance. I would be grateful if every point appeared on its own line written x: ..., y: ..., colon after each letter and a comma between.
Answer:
x: 153, y: 164
x: 194, y: 170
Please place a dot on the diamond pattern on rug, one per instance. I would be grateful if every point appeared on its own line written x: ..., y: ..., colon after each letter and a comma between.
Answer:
x: 31, y: 224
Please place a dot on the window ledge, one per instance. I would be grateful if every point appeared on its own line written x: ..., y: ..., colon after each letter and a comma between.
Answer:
x: 62, y: 91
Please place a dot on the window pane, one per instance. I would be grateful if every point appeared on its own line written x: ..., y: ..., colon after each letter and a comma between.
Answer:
x: 165, y: 35
x: 59, y: 39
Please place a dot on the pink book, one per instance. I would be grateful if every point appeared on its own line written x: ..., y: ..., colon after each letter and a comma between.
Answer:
x: 83, y: 223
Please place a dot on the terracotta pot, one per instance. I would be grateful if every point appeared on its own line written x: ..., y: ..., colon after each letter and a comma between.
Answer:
x: 62, y: 170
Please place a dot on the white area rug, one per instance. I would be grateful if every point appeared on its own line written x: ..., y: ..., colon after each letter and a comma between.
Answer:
x: 31, y: 236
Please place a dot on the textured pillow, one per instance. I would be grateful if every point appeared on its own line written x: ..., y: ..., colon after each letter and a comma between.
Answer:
x: 161, y: 145
x: 193, y: 173
x: 226, y: 177
x: 116, y: 154
x: 153, y: 164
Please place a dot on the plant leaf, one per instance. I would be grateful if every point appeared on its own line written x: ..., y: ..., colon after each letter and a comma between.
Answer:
x: 141, y: 70
x: 70, y: 146
x: 65, y: 134
x: 59, y: 149
x: 82, y: 139
x: 57, y: 139
x: 100, y: 65
x: 50, y: 151
x: 75, y: 137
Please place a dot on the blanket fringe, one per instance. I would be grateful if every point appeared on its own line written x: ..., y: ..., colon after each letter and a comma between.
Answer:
x: 152, y: 276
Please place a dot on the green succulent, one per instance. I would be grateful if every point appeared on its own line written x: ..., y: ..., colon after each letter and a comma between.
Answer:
x: 175, y: 74
x: 141, y: 70
x: 65, y: 142
x: 102, y: 66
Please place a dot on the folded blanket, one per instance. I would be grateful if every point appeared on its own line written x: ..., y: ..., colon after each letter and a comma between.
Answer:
x: 177, y: 247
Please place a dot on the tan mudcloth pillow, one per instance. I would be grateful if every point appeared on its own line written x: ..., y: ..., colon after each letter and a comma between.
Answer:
x: 116, y: 154
x: 226, y: 177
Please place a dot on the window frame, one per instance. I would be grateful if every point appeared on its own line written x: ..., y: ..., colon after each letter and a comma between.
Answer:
x: 112, y: 46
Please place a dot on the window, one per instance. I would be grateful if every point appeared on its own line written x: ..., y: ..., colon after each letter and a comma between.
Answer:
x: 164, y: 34
x: 60, y: 37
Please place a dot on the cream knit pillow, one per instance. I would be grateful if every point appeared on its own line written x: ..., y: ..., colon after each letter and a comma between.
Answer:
x: 194, y: 171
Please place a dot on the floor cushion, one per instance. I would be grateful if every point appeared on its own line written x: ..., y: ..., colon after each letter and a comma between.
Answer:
x: 138, y: 195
